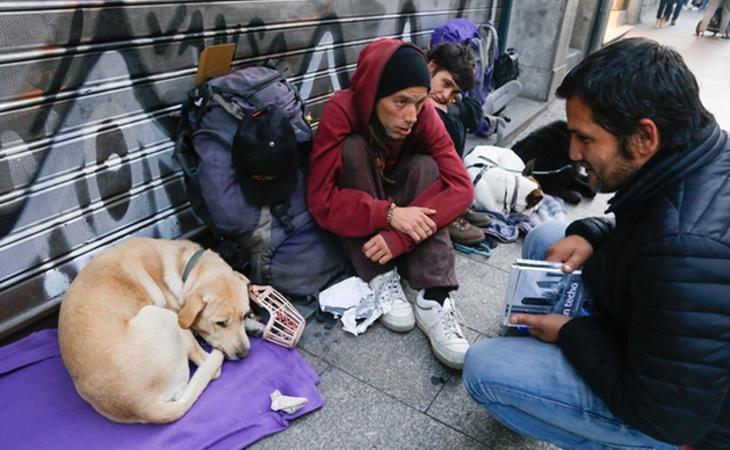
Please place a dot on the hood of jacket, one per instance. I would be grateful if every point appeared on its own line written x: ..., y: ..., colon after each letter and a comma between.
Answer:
x: 365, y: 80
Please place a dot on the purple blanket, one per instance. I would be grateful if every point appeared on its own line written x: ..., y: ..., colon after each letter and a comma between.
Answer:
x: 39, y: 406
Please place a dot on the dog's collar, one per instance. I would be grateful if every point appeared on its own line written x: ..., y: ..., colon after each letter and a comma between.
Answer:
x: 484, y: 167
x: 191, y: 263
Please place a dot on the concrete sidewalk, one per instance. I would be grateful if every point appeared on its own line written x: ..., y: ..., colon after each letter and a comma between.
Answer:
x: 386, y: 390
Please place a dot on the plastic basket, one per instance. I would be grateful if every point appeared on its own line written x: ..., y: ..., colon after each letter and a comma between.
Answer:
x: 285, y: 325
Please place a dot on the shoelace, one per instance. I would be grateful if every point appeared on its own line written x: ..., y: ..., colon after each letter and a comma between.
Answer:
x: 450, y: 319
x: 393, y: 288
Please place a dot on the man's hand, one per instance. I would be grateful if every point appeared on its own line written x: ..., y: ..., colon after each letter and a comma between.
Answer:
x: 544, y: 327
x: 572, y: 251
x: 377, y: 250
x: 414, y: 221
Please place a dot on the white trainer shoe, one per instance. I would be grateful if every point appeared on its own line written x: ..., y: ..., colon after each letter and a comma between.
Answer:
x: 387, y: 288
x: 442, y: 329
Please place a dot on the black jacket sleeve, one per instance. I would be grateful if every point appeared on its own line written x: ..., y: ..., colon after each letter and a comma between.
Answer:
x: 592, y: 229
x: 470, y: 112
x: 669, y: 381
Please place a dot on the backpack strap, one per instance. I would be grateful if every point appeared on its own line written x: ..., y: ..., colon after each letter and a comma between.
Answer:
x: 230, y: 107
x: 488, y: 52
x: 281, y: 212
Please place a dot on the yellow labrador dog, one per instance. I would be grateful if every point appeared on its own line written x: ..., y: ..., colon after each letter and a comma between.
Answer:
x: 125, y: 327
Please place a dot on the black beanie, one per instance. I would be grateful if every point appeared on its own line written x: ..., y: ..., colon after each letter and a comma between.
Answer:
x: 406, y: 68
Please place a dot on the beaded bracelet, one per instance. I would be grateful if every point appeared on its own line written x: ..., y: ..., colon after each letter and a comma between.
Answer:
x: 389, y: 217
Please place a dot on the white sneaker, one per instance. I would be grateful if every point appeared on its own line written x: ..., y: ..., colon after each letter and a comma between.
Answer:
x: 387, y: 289
x: 443, y: 331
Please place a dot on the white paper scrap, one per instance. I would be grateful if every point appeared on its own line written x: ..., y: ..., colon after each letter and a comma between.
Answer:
x: 344, y: 295
x: 281, y: 402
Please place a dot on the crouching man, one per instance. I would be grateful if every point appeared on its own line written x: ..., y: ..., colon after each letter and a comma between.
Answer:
x: 386, y: 178
x: 652, y: 368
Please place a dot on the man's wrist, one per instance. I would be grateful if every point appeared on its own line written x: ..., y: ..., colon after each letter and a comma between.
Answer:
x: 389, y: 216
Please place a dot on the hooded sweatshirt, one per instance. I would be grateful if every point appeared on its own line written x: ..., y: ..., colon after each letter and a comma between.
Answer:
x: 354, y: 213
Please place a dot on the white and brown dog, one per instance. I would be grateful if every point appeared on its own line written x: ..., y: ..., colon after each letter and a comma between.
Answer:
x: 502, y: 182
x: 125, y: 327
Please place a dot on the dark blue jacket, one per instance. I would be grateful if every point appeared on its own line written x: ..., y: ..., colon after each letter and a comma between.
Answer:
x: 658, y: 353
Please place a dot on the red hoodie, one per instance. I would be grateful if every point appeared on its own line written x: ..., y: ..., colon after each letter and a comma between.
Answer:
x: 353, y: 213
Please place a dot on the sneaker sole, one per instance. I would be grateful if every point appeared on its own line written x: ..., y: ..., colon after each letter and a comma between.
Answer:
x: 404, y: 327
x: 442, y: 358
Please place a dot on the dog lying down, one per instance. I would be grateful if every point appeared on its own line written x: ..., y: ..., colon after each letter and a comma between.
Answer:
x: 502, y: 182
x: 549, y: 148
x: 125, y: 327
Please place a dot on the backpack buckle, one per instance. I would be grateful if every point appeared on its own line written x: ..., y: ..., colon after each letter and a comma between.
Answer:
x: 199, y: 94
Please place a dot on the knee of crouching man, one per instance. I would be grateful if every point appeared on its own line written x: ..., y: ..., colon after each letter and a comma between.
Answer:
x: 480, y: 370
x: 424, y: 167
x: 355, y: 155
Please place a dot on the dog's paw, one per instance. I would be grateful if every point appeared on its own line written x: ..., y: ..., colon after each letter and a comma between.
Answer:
x: 581, y: 185
x: 589, y: 192
x: 215, y: 353
x: 566, y: 194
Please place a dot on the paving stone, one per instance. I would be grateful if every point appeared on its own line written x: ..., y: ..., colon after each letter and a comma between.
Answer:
x: 400, y: 365
x: 454, y: 407
x: 505, y: 254
x: 359, y: 416
x: 480, y: 295
x: 318, y: 364
x: 589, y: 207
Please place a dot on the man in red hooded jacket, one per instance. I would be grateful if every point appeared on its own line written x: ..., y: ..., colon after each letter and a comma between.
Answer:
x: 385, y: 176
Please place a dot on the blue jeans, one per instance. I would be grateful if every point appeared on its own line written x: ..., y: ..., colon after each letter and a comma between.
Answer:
x: 531, y: 388
x: 540, y: 238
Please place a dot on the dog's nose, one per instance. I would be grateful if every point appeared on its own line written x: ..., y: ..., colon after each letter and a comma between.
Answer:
x: 242, y: 353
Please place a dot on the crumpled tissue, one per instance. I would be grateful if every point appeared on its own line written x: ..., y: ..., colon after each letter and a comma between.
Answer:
x: 353, y: 300
x: 281, y: 402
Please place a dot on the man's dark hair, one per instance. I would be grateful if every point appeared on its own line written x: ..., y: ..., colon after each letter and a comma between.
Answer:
x: 457, y: 60
x: 639, y: 78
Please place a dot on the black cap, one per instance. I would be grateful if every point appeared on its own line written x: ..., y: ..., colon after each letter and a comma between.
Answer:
x: 406, y: 68
x: 265, y: 152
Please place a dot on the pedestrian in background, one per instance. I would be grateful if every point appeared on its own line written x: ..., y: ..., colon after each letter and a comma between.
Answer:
x: 710, y: 11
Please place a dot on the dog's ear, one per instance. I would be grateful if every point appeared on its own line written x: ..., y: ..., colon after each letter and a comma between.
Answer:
x: 529, y: 168
x: 191, y: 309
x: 246, y: 282
x: 533, y: 198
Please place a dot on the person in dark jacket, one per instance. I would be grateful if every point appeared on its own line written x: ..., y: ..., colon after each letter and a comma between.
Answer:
x: 385, y: 177
x: 452, y: 72
x: 651, y: 369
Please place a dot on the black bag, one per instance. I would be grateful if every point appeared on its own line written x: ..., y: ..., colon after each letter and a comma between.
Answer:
x: 506, y: 68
